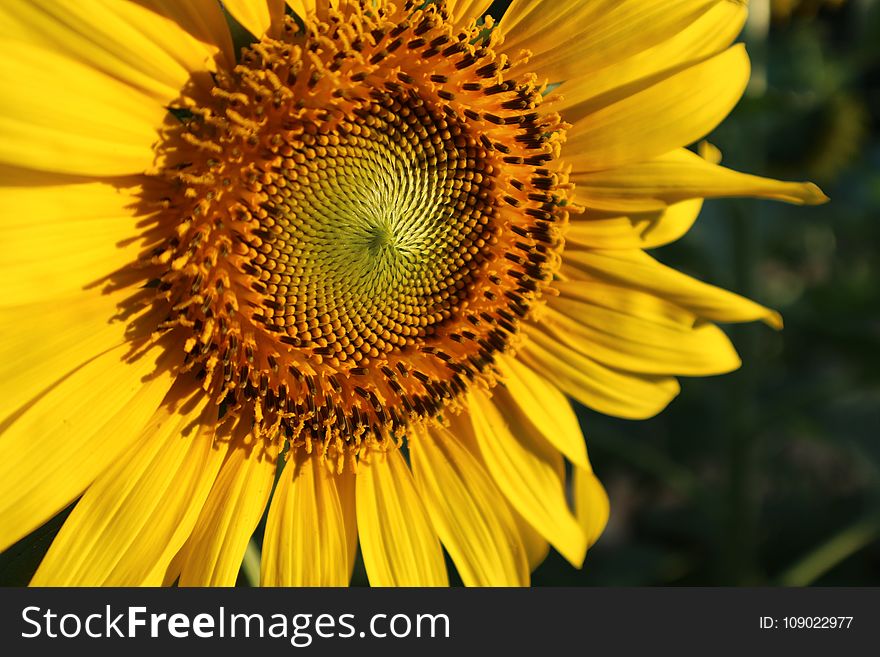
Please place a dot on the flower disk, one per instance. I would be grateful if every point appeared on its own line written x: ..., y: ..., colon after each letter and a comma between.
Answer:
x: 362, y: 217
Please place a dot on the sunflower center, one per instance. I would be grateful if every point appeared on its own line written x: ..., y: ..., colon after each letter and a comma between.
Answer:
x: 355, y: 222
x: 375, y: 231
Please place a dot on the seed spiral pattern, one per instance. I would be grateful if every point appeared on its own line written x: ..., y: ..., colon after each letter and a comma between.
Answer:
x: 375, y: 233
x: 357, y: 219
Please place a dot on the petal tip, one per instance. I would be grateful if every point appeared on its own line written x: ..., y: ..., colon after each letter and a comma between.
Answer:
x: 774, y: 320
x: 813, y: 195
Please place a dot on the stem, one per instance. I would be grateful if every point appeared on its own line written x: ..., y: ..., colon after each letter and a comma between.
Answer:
x: 832, y: 552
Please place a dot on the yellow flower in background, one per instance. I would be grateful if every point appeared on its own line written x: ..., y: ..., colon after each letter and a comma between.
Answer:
x: 374, y: 251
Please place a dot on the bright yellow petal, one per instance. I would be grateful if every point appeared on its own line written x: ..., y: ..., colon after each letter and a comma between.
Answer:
x: 137, y: 515
x: 214, y: 551
x: 52, y: 449
x: 629, y: 301
x: 632, y: 230
x: 672, y: 112
x: 628, y: 342
x: 305, y: 542
x: 672, y: 223
x: 602, y: 230
x: 536, y: 546
x: 318, y: 7
x: 42, y: 344
x: 572, y: 37
x: 709, y: 34
x: 591, y: 504
x: 468, y: 511
x: 202, y: 19
x: 605, y: 389
x: 64, y: 116
x: 640, y: 271
x: 544, y: 406
x: 677, y: 176
x: 124, y: 40
x: 466, y: 11
x: 528, y: 473
x: 60, y: 239
x: 256, y: 16
x: 172, y: 573
x: 398, y: 543
x: 301, y: 7
x: 345, y: 487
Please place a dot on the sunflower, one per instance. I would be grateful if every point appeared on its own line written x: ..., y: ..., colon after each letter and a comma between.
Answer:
x: 347, y: 275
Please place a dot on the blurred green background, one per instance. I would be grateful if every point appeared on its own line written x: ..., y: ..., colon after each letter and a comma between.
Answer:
x: 770, y: 475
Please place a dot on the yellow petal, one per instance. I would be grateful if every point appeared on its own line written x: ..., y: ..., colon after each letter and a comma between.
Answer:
x: 672, y: 112
x: 318, y: 7
x: 671, y: 224
x: 710, y: 33
x: 626, y: 300
x: 42, y: 344
x: 621, y: 229
x: 709, y: 152
x: 628, y: 342
x: 53, y: 448
x: 602, y: 388
x: 212, y: 556
x: 143, y: 48
x: 676, y: 176
x: 591, y: 505
x: 305, y: 542
x: 528, y: 473
x: 345, y: 487
x: 256, y: 16
x: 572, y: 37
x: 137, y: 515
x: 466, y: 11
x: 61, y: 115
x: 60, y: 239
x: 546, y: 409
x: 301, y: 7
x: 468, y: 511
x: 202, y: 19
x: 172, y: 573
x: 398, y: 543
x: 602, y: 230
x: 536, y: 546
x: 640, y: 271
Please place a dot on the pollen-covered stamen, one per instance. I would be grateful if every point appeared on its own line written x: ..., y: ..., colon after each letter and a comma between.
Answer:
x: 362, y: 216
